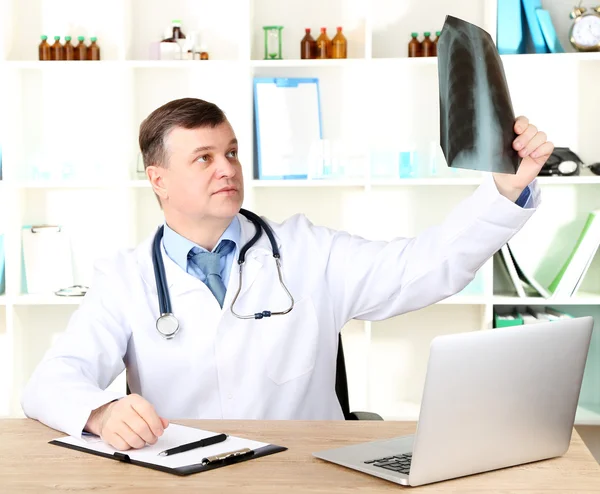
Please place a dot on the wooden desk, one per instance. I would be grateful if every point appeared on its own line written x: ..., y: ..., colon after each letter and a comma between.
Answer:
x: 28, y: 464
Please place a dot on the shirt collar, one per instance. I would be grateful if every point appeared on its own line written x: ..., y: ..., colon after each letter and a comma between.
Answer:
x: 177, y: 246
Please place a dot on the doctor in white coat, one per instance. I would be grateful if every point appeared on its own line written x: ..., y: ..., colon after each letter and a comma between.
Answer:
x: 221, y: 366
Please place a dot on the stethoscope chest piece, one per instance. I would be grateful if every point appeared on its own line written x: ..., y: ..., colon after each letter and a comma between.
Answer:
x: 167, y: 325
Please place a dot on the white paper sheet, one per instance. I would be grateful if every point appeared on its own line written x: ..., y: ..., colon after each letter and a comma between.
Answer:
x: 174, y: 435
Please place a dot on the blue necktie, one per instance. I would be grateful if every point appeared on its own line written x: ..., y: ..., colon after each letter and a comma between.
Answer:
x: 210, y: 264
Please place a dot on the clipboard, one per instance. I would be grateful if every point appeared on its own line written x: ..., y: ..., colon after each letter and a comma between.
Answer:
x: 233, y: 450
x: 47, y: 258
x: 288, y: 126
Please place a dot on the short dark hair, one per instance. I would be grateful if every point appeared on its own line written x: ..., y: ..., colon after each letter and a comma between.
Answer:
x: 189, y: 113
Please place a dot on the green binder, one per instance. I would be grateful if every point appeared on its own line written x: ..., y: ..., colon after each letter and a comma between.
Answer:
x: 507, y: 320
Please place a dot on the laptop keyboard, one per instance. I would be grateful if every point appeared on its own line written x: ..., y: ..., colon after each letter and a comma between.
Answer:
x: 397, y: 463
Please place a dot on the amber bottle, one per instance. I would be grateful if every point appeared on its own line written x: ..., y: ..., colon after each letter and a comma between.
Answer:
x: 323, y: 45
x: 81, y: 49
x: 414, y: 46
x: 93, y: 50
x: 56, y: 50
x: 308, y: 46
x: 69, y: 49
x: 44, y: 49
x: 339, y: 45
x: 427, y: 45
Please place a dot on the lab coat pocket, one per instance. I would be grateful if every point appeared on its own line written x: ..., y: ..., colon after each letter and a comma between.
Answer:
x: 290, y: 342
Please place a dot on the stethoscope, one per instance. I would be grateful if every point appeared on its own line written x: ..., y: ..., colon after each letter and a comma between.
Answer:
x: 167, y: 324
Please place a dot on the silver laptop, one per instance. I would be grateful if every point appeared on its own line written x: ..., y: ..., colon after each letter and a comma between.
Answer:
x: 492, y: 399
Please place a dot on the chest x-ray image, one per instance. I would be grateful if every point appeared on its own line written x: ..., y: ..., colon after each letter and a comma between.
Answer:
x: 476, y: 113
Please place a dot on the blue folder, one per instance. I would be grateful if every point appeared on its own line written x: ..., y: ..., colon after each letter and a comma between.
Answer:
x: 548, y: 31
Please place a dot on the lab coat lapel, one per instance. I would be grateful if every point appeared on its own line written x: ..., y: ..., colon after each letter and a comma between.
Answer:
x: 178, y: 280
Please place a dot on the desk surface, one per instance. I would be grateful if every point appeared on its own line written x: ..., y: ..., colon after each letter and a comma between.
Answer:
x: 28, y: 464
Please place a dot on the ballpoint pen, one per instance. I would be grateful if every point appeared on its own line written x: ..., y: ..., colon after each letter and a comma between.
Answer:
x: 208, y: 441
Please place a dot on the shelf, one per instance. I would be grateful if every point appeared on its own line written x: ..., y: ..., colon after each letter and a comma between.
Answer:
x: 332, y: 62
x: 549, y: 58
x: 579, y: 299
x: 307, y: 183
x: 575, y: 180
x: 67, y: 184
x: 392, y: 182
x: 75, y: 184
x: 80, y: 65
x: 182, y: 64
x: 465, y: 300
x: 588, y: 415
x: 28, y: 299
x: 408, y: 182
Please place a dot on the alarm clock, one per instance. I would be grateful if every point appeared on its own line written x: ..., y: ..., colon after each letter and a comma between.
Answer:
x: 585, y: 31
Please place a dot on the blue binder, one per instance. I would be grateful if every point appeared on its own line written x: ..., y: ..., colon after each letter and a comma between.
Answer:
x: 287, y: 118
x: 535, y: 41
x: 509, y: 30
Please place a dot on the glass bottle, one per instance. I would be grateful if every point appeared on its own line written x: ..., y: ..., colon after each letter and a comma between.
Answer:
x: 414, y: 46
x: 93, y: 50
x: 308, y: 46
x: 177, y: 36
x: 323, y: 45
x: 427, y: 45
x: 81, y: 49
x: 44, y: 49
x: 203, y: 51
x: 435, y: 42
x: 57, y: 49
x: 339, y: 45
x: 69, y: 49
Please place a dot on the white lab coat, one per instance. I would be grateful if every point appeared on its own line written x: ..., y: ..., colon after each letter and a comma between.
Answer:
x: 281, y: 367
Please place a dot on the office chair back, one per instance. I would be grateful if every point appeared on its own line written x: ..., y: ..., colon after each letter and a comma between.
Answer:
x: 341, y: 381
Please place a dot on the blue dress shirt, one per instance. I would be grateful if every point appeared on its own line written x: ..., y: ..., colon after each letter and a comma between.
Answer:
x: 178, y: 247
x: 524, y: 197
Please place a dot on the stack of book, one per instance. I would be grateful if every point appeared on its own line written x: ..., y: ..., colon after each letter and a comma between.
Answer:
x: 528, y: 315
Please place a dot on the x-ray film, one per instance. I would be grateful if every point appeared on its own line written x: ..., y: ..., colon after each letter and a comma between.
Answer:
x: 476, y: 113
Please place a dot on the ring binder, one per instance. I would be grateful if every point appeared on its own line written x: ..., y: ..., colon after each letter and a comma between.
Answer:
x: 229, y: 457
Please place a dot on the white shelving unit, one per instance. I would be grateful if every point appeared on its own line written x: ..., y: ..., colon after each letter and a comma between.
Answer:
x: 88, y: 114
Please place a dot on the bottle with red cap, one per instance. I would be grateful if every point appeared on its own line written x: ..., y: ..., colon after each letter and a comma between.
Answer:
x: 308, y: 46
x: 323, y: 45
x: 339, y: 45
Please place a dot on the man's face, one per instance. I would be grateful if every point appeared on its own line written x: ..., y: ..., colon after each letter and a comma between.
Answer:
x: 203, y: 177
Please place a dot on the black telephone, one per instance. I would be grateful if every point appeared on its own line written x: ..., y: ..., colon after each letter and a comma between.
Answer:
x: 564, y: 162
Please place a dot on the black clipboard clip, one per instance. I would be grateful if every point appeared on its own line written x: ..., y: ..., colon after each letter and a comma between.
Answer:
x: 122, y: 457
x: 229, y: 457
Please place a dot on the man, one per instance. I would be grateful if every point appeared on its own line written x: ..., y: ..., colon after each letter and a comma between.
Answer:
x: 220, y: 366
